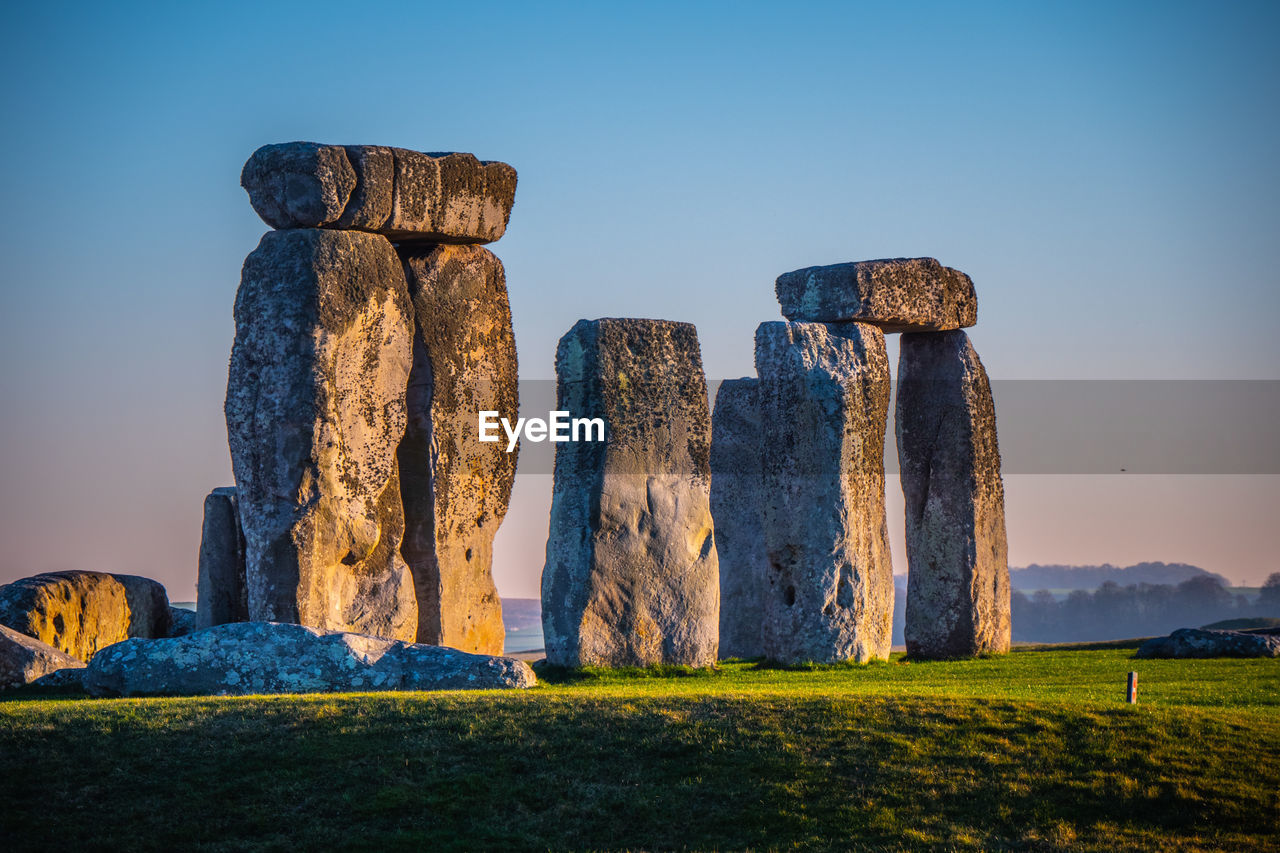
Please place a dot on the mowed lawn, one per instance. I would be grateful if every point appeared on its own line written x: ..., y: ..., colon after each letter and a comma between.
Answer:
x: 1033, y: 751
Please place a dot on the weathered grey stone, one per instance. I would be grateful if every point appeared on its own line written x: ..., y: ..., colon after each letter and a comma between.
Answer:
x: 221, y: 593
x: 737, y: 505
x: 409, y: 196
x: 79, y: 613
x: 24, y: 659
x: 67, y: 678
x: 897, y: 294
x: 957, y: 556
x: 263, y: 657
x: 824, y: 400
x: 1209, y: 643
x: 631, y: 575
x: 315, y: 410
x: 456, y: 488
x: 182, y: 621
x: 299, y: 184
x: 450, y: 198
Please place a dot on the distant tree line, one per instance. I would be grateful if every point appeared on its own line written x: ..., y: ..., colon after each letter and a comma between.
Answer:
x: 1113, y: 612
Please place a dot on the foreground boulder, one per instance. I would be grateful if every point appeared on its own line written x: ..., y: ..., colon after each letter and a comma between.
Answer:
x: 315, y: 410
x: 824, y: 403
x: 455, y: 487
x: 957, y: 553
x: 221, y: 593
x: 631, y: 575
x: 1207, y: 643
x: 267, y: 657
x: 79, y: 613
x: 737, y: 502
x: 24, y: 659
x: 898, y: 295
x: 408, y: 196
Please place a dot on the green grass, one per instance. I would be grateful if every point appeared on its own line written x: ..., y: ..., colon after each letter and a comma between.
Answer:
x: 1031, y: 751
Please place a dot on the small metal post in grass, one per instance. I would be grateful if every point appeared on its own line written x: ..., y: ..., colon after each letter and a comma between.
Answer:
x: 1132, y: 693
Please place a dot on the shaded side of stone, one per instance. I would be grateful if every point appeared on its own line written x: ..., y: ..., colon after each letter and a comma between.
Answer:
x: 456, y: 488
x: 221, y: 594
x: 631, y: 575
x: 897, y: 294
x: 299, y: 184
x: 737, y: 505
x: 79, y: 613
x: 261, y: 657
x: 24, y: 659
x: 957, y: 554
x: 315, y: 410
x: 824, y: 399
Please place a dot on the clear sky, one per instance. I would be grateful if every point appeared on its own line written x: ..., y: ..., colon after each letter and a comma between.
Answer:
x: 1106, y: 172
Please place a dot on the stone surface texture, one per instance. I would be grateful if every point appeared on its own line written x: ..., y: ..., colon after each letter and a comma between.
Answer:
x: 182, y: 621
x: 315, y: 410
x: 957, y: 555
x: 1208, y: 643
x: 261, y: 657
x: 631, y: 575
x: 897, y: 294
x: 824, y: 399
x: 221, y: 593
x: 456, y: 488
x: 408, y: 196
x: 737, y: 505
x: 24, y: 659
x: 80, y: 613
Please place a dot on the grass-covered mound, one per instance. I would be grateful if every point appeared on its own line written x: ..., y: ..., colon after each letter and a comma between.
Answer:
x: 1032, y: 751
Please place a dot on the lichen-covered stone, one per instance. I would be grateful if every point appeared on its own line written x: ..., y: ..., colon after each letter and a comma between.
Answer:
x: 299, y: 184
x: 824, y: 401
x: 221, y: 593
x: 24, y: 659
x: 897, y: 294
x: 1209, y: 643
x: 455, y: 487
x: 957, y: 554
x: 182, y: 621
x: 631, y: 576
x: 315, y: 410
x: 79, y: 613
x: 263, y: 657
x: 737, y: 505
x: 408, y: 196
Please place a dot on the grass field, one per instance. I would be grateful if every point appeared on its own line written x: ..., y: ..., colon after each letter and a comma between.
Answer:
x: 1036, y: 750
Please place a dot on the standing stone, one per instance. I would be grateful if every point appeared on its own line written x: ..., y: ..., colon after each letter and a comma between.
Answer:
x: 824, y: 402
x: 737, y: 501
x: 79, y: 613
x: 631, y: 576
x: 898, y: 294
x: 957, y: 557
x: 315, y: 410
x: 455, y: 487
x: 221, y: 594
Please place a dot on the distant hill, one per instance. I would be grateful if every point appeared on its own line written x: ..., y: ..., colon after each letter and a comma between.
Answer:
x: 522, y: 614
x: 1036, y: 577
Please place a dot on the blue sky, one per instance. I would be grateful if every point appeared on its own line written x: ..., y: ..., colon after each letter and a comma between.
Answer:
x: 1104, y: 171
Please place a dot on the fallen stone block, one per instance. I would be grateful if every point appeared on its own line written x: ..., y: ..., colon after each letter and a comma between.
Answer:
x: 1207, y: 643
x: 24, y: 660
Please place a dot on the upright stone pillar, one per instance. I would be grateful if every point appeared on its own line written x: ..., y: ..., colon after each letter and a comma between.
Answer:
x: 455, y: 487
x: 221, y: 594
x: 315, y: 410
x: 631, y: 575
x: 737, y: 501
x: 958, y: 578
x: 824, y: 399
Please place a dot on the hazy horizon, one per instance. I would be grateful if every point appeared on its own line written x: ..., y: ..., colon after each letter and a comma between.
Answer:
x: 1104, y: 173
